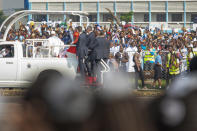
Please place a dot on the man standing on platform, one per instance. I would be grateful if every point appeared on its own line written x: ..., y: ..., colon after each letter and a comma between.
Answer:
x: 101, y: 50
x: 82, y: 52
x: 91, y: 43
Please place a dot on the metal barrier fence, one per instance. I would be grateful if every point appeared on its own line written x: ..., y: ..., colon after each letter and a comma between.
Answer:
x: 148, y: 68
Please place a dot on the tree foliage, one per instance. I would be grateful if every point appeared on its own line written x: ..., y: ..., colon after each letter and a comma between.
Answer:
x: 2, y: 17
x: 126, y: 17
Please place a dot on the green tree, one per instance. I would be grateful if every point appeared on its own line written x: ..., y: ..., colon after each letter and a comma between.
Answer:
x: 2, y: 17
x: 126, y: 17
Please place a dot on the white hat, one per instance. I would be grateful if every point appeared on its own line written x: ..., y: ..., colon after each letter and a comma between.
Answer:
x: 194, y: 40
x: 53, y: 33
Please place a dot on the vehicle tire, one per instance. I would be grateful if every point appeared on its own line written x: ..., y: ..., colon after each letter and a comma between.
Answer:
x: 49, y: 75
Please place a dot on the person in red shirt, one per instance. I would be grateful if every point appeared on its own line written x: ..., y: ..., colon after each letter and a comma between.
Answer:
x: 72, y: 49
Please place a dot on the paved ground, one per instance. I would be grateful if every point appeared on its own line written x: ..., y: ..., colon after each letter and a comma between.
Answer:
x: 8, y: 104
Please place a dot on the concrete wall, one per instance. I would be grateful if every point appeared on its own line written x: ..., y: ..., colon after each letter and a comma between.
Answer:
x: 9, y: 4
x: 139, y: 17
x: 1, y: 5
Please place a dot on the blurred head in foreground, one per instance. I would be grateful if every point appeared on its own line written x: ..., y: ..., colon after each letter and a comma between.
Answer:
x: 176, y: 111
x: 61, y: 104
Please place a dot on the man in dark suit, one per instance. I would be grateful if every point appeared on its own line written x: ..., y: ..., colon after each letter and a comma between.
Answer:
x: 82, y: 52
x: 101, y: 50
x: 91, y: 41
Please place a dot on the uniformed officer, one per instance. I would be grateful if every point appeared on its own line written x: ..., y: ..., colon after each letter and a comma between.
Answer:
x: 149, y: 59
x: 101, y: 50
x: 190, y: 55
x: 82, y: 52
x: 174, y: 66
x: 169, y: 56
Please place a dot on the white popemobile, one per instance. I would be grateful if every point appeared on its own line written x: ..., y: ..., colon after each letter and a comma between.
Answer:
x: 21, y: 63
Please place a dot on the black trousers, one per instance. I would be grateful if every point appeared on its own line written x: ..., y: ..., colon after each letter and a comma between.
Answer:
x: 139, y: 74
x: 82, y: 68
x: 88, y: 64
x: 167, y: 76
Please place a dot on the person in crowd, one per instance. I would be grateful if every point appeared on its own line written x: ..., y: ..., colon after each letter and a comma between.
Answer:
x: 149, y: 59
x: 174, y: 67
x: 72, y: 49
x: 112, y: 63
x: 169, y: 56
x: 82, y: 52
x: 91, y: 45
x: 137, y: 58
x: 157, y: 69
x: 100, y: 50
x: 131, y: 50
x: 122, y: 58
x: 190, y: 55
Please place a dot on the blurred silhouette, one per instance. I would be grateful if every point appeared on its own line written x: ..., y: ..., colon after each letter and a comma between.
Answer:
x: 193, y: 64
x: 54, y: 103
x: 176, y: 110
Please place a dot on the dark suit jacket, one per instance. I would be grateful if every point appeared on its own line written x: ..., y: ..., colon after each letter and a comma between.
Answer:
x: 81, y: 46
x: 101, y: 49
x: 91, y: 40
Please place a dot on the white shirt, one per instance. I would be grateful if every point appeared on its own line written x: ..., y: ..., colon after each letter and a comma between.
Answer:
x: 57, y: 45
x: 114, y: 49
x: 130, y: 64
x: 184, y: 52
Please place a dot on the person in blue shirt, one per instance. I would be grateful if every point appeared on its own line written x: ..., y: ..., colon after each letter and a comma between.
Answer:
x: 157, y: 68
x: 143, y: 45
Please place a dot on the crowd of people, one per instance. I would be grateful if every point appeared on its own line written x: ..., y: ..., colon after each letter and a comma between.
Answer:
x: 130, y: 49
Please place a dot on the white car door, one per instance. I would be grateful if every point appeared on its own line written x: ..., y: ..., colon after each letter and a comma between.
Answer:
x: 8, y: 63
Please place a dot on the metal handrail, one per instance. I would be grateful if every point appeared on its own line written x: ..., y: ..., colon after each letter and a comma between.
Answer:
x: 106, y: 69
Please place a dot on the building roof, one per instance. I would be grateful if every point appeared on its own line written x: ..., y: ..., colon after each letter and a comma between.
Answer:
x: 100, y: 0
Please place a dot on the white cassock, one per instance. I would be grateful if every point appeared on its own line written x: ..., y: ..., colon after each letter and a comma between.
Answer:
x: 56, y: 45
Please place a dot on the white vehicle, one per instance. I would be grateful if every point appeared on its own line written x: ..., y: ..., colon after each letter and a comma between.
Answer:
x: 20, y: 66
x: 22, y: 63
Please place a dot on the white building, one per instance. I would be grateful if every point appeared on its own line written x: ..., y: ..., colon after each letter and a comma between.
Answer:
x: 174, y: 13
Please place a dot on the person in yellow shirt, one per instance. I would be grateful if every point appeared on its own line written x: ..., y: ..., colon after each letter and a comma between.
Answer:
x: 169, y: 56
x: 174, y: 67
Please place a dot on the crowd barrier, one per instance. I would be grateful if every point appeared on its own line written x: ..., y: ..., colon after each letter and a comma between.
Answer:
x: 148, y: 69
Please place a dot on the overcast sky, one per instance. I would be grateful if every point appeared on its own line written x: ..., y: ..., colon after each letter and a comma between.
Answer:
x: 8, y: 4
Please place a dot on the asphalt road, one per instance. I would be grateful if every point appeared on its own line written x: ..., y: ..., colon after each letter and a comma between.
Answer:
x: 8, y: 104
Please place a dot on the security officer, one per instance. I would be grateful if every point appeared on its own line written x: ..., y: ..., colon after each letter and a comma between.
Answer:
x: 149, y: 59
x: 82, y: 52
x: 101, y: 50
x: 169, y: 55
x: 91, y: 43
x: 174, y: 66
x: 190, y: 55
